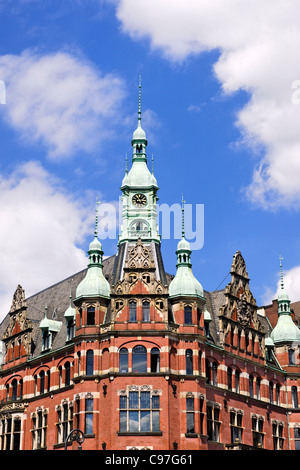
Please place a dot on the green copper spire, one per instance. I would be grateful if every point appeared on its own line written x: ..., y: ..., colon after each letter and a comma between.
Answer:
x: 184, y: 283
x: 139, y: 141
x: 140, y: 100
x: 182, y: 212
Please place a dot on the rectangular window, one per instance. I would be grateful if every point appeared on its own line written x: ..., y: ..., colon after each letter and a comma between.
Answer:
x: 139, y: 412
x: 132, y: 311
x: 188, y: 315
x: 257, y: 432
x: 190, y: 415
x: 64, y: 422
x: 277, y: 433
x: 39, y: 430
x: 146, y: 311
x: 236, y: 426
x: 297, y: 438
x: 90, y: 316
x: 213, y: 423
x: 88, y: 425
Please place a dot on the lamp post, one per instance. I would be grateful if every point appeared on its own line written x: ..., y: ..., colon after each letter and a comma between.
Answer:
x: 75, y: 435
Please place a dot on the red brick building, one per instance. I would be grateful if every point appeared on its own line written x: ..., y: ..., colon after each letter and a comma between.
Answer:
x: 138, y: 359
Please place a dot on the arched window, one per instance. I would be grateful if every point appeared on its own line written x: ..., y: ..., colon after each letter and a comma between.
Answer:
x: 173, y: 359
x: 60, y: 376
x: 79, y: 362
x: 237, y: 380
x: 123, y: 360
x: 132, y: 311
x: 229, y: 378
x: 14, y: 385
x: 277, y: 394
x: 42, y: 382
x: 215, y: 374
x: 258, y: 388
x: 251, y: 380
x: 146, y: 311
x: 187, y: 315
x: 139, y: 359
x: 294, y: 397
x: 90, y: 362
x: 155, y: 360
x: 199, y: 361
x: 90, y: 316
x: 189, y: 362
x: 67, y: 374
x: 271, y: 388
x: 21, y: 389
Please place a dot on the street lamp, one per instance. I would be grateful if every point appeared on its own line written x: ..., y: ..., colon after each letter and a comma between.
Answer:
x: 75, y: 435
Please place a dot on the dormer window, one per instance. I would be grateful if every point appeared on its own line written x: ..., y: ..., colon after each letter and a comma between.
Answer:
x: 46, y: 340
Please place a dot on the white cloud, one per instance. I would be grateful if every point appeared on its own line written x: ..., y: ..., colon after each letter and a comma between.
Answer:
x: 291, y: 286
x: 258, y: 43
x: 38, y: 238
x: 60, y: 100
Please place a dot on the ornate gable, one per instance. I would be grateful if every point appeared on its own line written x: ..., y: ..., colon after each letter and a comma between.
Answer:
x: 240, y: 309
x: 17, y: 336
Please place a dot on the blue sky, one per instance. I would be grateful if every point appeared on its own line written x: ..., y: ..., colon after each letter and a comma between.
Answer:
x: 217, y: 108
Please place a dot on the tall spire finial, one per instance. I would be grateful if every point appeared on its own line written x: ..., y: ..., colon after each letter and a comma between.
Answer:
x: 182, y: 210
x: 281, y: 273
x: 152, y: 163
x: 126, y: 171
x: 96, y: 217
x: 140, y: 99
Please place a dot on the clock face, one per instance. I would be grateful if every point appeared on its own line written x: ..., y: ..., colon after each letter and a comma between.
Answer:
x: 139, y: 200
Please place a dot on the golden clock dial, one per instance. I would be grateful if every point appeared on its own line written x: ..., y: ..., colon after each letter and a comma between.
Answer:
x: 139, y: 200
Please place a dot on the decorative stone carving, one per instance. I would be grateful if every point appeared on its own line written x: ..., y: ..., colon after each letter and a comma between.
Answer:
x: 243, y: 311
x: 139, y: 256
x: 18, y: 300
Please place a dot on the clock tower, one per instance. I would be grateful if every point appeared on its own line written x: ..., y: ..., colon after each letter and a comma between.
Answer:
x: 139, y: 193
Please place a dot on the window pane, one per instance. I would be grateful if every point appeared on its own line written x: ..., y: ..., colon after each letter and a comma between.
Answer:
x: 123, y: 421
x: 154, y: 360
x: 89, y: 423
x: 89, y: 362
x: 90, y: 316
x: 146, y: 311
x: 145, y: 421
x: 89, y: 404
x: 190, y: 424
x: 189, y: 361
x: 123, y: 402
x: 190, y: 404
x: 123, y: 360
x: 188, y: 315
x: 133, y: 421
x: 139, y: 359
x: 132, y: 311
x: 133, y: 400
x: 145, y: 399
x: 155, y: 420
x: 155, y: 401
